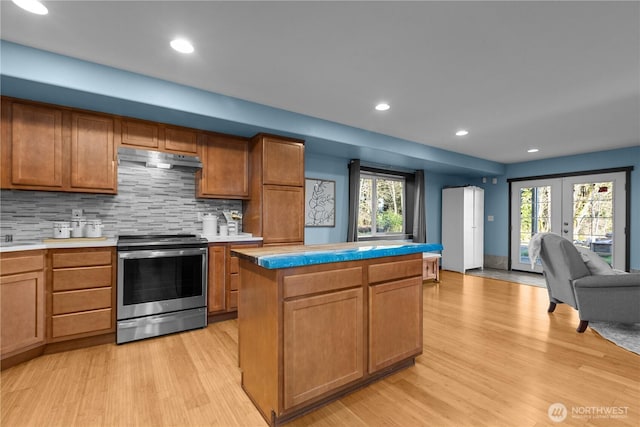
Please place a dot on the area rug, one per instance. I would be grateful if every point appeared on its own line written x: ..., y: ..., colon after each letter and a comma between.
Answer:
x: 625, y: 335
x: 522, y: 277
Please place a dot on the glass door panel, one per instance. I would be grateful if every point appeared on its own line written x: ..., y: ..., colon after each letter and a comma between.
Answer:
x: 594, y: 215
x: 534, y: 212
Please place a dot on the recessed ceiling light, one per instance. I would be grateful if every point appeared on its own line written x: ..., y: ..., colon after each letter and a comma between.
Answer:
x: 383, y: 106
x: 462, y: 132
x: 533, y: 150
x: 33, y: 6
x: 182, y: 45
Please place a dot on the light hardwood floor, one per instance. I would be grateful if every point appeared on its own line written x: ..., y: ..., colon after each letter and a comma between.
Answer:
x: 492, y: 357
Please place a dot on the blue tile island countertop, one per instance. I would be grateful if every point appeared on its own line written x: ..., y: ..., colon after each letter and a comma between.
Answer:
x: 297, y: 256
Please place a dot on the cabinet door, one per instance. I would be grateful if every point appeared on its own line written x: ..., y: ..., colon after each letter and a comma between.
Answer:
x: 180, y: 140
x: 36, y: 146
x: 22, y: 311
x: 283, y: 162
x: 283, y: 214
x: 323, y: 344
x: 225, y: 170
x: 395, y: 322
x: 139, y: 134
x: 93, y: 165
x: 216, y: 279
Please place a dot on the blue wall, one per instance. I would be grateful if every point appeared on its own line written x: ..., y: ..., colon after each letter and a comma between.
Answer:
x: 43, y: 76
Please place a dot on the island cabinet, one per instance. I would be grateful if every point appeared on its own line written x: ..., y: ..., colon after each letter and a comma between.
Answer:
x: 52, y: 148
x: 275, y: 209
x: 82, y: 294
x: 154, y: 136
x: 311, y: 333
x: 225, y: 167
x: 22, y: 306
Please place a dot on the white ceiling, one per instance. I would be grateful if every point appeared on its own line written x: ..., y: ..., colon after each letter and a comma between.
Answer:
x: 560, y: 76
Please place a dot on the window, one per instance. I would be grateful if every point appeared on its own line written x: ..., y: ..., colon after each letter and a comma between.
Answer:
x: 381, y: 205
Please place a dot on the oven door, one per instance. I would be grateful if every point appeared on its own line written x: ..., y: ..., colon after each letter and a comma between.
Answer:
x: 161, y: 281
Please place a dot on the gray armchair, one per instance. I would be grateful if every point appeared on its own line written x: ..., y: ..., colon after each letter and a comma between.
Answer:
x: 597, y: 297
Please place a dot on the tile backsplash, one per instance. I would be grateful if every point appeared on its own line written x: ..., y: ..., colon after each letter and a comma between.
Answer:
x: 148, y: 201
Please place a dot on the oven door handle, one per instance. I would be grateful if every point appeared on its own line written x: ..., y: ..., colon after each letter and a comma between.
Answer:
x: 161, y: 253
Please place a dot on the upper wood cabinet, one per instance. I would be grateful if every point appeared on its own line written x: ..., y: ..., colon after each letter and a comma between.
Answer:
x: 140, y: 134
x: 180, y: 140
x: 32, y: 146
x: 146, y: 135
x: 225, y: 167
x: 57, y: 149
x: 93, y: 161
x: 283, y: 162
x: 275, y: 209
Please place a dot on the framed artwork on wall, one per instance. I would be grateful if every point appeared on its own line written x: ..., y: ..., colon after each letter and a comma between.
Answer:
x: 320, y: 203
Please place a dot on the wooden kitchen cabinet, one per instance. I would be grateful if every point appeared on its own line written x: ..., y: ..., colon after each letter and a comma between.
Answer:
x: 140, y: 134
x: 283, y: 162
x: 22, y: 302
x: 275, y: 209
x: 225, y: 167
x: 32, y: 146
x: 216, y: 280
x: 93, y: 156
x: 283, y: 214
x: 395, y: 322
x: 146, y: 135
x: 323, y: 344
x: 52, y: 148
x: 82, y: 293
x: 223, y: 276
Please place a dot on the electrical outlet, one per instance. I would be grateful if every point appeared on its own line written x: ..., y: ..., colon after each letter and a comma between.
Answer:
x: 76, y: 213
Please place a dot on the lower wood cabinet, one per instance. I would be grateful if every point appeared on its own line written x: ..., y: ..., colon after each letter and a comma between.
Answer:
x: 82, y: 293
x: 323, y: 344
x: 395, y: 322
x: 22, y: 302
x: 223, y: 276
x: 216, y: 279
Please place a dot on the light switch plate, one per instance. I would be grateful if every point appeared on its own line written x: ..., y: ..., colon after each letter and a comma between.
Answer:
x: 76, y: 213
x: 490, y: 218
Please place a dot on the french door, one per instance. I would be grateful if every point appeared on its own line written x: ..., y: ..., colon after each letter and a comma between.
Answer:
x: 589, y: 210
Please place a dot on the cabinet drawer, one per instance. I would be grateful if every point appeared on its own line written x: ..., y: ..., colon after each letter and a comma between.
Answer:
x: 21, y: 264
x: 322, y: 281
x: 82, y: 300
x: 233, y: 301
x: 81, y: 278
x: 234, y: 265
x: 78, y: 323
x: 81, y: 259
x: 234, y: 281
x: 395, y: 270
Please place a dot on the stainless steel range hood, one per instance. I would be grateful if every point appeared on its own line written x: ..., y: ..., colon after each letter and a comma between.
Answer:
x: 158, y: 159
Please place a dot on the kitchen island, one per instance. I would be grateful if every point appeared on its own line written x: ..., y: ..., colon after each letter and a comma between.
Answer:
x: 316, y: 322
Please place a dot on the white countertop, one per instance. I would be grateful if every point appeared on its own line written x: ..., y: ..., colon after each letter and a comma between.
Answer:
x: 240, y: 237
x: 110, y: 241
x: 62, y: 244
